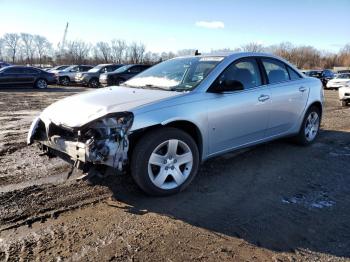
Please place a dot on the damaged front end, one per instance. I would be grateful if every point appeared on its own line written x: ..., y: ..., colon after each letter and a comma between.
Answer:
x: 103, y: 141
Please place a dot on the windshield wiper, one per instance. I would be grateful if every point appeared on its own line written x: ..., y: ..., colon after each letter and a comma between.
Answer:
x: 155, y: 87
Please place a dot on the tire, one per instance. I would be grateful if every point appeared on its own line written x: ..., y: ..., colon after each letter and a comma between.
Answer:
x: 160, y: 178
x: 64, y: 81
x: 309, y: 130
x: 343, y: 103
x: 94, y: 83
x: 118, y: 81
x: 40, y: 84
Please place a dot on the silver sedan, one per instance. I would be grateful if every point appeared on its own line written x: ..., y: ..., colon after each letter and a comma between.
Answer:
x: 167, y: 120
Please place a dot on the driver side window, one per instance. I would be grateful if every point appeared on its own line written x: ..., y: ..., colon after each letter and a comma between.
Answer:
x: 245, y: 71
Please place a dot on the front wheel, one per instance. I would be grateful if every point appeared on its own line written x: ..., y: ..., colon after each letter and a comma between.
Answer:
x: 93, y: 83
x: 40, y: 84
x: 343, y: 103
x: 310, y: 126
x: 164, y: 161
x: 64, y: 81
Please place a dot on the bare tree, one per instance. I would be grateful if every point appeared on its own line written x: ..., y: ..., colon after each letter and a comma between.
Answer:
x: 105, y: 50
x: 11, y: 42
x: 136, y: 52
x: 344, y: 55
x: 253, y: 47
x: 28, y: 47
x: 42, y: 46
x: 77, y: 52
x: 119, y: 48
x: 2, y: 49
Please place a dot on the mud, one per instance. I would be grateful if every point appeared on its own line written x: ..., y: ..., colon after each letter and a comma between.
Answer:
x: 274, y: 202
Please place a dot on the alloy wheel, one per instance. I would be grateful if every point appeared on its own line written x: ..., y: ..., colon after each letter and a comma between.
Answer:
x: 312, y: 125
x: 170, y: 164
x: 41, y: 84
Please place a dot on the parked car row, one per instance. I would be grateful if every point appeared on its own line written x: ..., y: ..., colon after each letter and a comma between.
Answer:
x: 84, y: 75
x: 100, y: 75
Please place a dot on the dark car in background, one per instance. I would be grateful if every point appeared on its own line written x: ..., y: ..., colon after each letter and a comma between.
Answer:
x: 91, y: 77
x: 3, y: 64
x: 323, y: 75
x: 11, y: 76
x: 67, y: 75
x: 121, y: 74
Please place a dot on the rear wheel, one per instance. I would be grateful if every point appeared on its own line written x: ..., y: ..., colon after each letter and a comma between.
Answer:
x: 93, y: 83
x: 40, y: 84
x: 164, y: 161
x: 343, y: 103
x: 310, y: 126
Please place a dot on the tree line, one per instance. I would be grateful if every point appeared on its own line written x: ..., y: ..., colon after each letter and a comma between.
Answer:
x: 24, y: 48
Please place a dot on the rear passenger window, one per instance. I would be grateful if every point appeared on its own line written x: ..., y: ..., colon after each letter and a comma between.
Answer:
x: 292, y: 74
x: 275, y: 70
x: 29, y: 71
x: 245, y: 71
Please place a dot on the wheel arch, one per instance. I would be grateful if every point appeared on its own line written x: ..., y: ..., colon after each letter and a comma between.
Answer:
x: 184, y: 125
x: 317, y: 104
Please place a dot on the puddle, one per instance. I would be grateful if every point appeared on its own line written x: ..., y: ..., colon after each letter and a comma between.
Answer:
x: 313, y: 200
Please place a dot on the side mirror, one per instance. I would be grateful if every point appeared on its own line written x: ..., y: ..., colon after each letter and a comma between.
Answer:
x: 228, y: 86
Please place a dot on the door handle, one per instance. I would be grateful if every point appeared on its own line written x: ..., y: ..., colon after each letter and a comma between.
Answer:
x: 263, y: 98
x: 302, y: 89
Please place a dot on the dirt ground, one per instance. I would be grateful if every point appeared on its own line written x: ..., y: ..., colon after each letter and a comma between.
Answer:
x: 274, y: 202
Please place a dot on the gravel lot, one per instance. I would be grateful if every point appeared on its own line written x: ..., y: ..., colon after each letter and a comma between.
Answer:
x: 274, y: 202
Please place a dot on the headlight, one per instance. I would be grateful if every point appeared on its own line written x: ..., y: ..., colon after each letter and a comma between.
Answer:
x: 347, y: 84
x: 113, y: 126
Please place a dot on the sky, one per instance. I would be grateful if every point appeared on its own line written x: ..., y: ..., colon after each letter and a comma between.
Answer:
x: 171, y: 25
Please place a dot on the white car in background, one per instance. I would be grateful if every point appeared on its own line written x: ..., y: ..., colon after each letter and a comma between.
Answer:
x: 340, y: 81
x: 344, y: 95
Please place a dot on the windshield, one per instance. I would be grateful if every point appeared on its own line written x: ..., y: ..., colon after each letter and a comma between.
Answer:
x: 69, y: 68
x: 58, y: 67
x: 179, y: 74
x: 343, y: 76
x: 96, y: 69
x: 122, y: 69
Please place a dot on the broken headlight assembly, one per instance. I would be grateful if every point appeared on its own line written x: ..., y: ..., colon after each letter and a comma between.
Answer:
x: 106, y: 139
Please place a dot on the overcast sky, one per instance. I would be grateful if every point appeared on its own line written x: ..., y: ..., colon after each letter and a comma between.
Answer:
x: 170, y: 25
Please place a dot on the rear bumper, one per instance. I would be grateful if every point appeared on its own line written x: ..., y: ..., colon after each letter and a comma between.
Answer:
x: 82, y: 82
x: 51, y: 81
x: 344, y: 93
x: 104, y: 82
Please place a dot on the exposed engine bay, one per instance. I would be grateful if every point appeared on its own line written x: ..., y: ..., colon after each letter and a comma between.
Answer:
x: 103, y: 141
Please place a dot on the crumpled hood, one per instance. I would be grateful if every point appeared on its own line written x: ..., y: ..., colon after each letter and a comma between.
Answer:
x: 80, y: 109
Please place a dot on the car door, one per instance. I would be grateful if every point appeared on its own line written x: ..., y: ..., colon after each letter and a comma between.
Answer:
x: 29, y: 75
x: 14, y: 76
x: 289, y: 96
x: 238, y: 118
